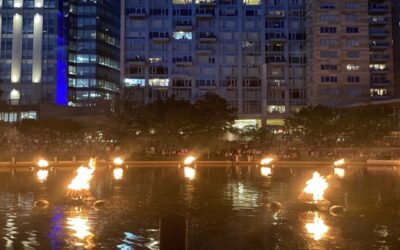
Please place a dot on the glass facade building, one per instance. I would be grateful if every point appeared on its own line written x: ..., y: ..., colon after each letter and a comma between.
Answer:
x: 59, y: 51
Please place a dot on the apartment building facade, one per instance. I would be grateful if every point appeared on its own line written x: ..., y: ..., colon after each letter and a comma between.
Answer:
x: 350, y: 52
x: 251, y: 52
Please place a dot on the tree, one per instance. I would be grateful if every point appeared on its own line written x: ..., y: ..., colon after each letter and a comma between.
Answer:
x: 314, y: 125
x: 256, y: 137
x: 363, y: 126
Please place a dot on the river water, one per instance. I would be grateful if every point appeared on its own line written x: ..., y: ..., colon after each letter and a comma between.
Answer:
x: 226, y: 208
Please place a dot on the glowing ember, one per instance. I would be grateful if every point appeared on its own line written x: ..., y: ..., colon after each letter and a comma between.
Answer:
x: 118, y: 173
x: 189, y: 160
x: 266, y: 171
x: 189, y: 173
x: 118, y: 161
x: 339, y: 172
x: 42, y: 175
x: 316, y: 186
x: 266, y: 161
x: 317, y: 228
x: 339, y: 163
x: 79, y: 186
x: 42, y: 163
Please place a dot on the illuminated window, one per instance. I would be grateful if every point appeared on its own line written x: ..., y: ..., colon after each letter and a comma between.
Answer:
x: 378, y: 66
x: 132, y: 82
x: 378, y: 92
x: 155, y: 59
x: 352, y: 67
x: 182, y: 1
x: 251, y: 2
x: 156, y: 82
x: 240, y: 124
x: 182, y: 35
x: 277, y: 109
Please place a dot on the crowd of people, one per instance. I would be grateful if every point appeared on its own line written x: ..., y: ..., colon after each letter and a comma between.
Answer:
x: 43, y: 142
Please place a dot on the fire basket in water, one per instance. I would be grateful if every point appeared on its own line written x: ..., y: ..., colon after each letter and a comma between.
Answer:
x: 78, y: 189
x: 316, y: 186
x: 189, y: 160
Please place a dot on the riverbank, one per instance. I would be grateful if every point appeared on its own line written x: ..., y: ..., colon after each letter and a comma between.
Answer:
x: 280, y: 164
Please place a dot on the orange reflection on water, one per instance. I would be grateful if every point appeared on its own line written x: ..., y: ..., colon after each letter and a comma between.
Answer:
x: 317, y: 228
x: 80, y: 230
x: 42, y: 175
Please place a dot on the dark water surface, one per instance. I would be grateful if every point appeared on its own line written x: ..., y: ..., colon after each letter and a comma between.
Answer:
x: 226, y: 209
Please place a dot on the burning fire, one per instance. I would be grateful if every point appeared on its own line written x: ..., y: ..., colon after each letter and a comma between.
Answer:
x: 266, y: 161
x: 118, y: 173
x: 317, y: 228
x: 189, y: 160
x: 42, y: 175
x: 118, y: 161
x: 339, y: 163
x: 316, y: 186
x: 189, y: 173
x: 79, y: 186
x: 42, y: 163
x: 339, y: 172
x: 266, y: 171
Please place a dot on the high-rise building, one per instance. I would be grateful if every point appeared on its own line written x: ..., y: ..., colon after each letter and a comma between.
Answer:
x: 32, y: 58
x: 251, y: 52
x: 94, y: 53
x: 59, y: 51
x: 349, y: 50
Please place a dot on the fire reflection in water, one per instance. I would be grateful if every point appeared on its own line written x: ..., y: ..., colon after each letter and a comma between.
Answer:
x: 317, y: 228
x: 80, y: 230
x: 118, y: 173
x: 42, y: 175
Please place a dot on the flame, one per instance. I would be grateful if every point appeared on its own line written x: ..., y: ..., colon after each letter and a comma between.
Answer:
x: 266, y: 171
x: 189, y: 160
x: 189, y: 173
x: 266, y: 161
x: 317, y: 228
x: 83, y: 177
x: 118, y: 161
x: 42, y: 163
x: 316, y: 186
x: 339, y: 163
x: 339, y: 172
x: 42, y: 175
x: 118, y: 173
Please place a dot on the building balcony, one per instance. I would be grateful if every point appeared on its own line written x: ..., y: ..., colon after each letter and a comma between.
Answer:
x: 275, y: 14
x: 380, y: 97
x: 207, y: 37
x: 378, y: 8
x: 379, y: 58
x: 204, y: 13
x: 380, y: 82
x: 182, y: 26
x: 379, y: 45
x: 160, y: 39
x: 136, y: 13
x: 378, y: 21
x: 278, y: 59
x: 183, y: 62
x: 206, y: 3
x: 377, y: 71
x: 137, y: 61
x: 204, y: 50
x: 378, y: 33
